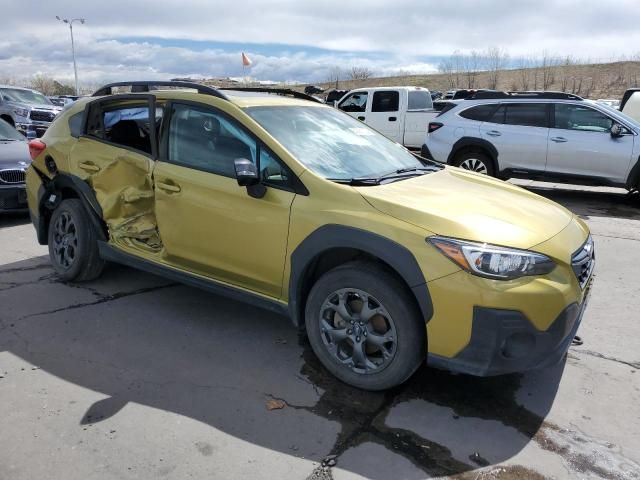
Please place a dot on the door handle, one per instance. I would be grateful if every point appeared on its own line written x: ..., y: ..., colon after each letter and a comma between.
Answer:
x: 392, y: 119
x: 559, y: 139
x: 88, y: 166
x: 361, y: 118
x: 168, y: 187
x: 493, y: 133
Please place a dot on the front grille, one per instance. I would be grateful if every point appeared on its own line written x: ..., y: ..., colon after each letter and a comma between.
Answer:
x: 12, y: 176
x: 40, y: 116
x: 583, y: 262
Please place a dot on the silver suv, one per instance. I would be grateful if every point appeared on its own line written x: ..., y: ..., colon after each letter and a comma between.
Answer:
x: 550, y: 136
x: 29, y: 111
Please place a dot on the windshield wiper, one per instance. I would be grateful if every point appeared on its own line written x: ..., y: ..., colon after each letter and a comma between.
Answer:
x: 8, y: 139
x: 415, y: 169
x: 356, y: 182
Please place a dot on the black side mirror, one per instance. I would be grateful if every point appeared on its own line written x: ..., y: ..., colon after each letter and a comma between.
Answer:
x: 616, y: 130
x: 247, y: 176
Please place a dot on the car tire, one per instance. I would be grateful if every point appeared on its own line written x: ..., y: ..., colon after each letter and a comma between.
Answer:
x: 394, y: 344
x: 73, y: 244
x: 476, y: 162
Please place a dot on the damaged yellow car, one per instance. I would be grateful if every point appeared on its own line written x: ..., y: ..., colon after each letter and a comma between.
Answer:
x: 384, y: 258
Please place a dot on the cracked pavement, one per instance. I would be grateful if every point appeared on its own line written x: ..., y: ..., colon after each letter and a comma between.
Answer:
x: 132, y: 376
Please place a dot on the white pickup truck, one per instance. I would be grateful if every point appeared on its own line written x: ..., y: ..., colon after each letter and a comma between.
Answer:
x: 400, y: 113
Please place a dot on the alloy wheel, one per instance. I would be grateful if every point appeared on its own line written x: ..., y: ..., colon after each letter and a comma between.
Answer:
x: 357, y: 330
x: 65, y: 240
x: 474, y: 165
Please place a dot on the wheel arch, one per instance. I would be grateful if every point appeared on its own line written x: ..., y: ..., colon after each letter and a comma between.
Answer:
x: 332, y: 245
x: 62, y: 187
x: 471, y: 144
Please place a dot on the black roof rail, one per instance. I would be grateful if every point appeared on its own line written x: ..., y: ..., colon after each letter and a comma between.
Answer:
x: 145, y: 86
x: 524, y: 94
x: 277, y: 91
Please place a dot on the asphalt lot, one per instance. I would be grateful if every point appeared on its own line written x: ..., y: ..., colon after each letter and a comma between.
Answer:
x: 135, y: 377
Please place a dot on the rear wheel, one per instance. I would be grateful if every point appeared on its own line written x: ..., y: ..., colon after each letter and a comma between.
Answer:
x: 476, y: 162
x: 364, y: 326
x: 73, y: 245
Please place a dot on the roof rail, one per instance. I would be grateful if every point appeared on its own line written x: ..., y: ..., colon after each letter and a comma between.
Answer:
x: 524, y: 94
x: 277, y: 91
x: 145, y: 86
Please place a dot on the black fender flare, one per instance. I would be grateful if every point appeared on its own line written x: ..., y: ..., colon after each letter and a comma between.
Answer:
x: 54, y: 186
x: 464, y: 142
x: 633, y: 180
x: 332, y: 236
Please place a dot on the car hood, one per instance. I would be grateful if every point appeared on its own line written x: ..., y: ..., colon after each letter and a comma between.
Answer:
x: 36, y: 106
x: 14, y: 154
x: 465, y: 205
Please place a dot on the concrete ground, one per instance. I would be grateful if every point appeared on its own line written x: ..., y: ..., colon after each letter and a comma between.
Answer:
x: 135, y: 377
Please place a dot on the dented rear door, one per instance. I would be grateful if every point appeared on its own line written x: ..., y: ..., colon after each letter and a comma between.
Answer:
x: 117, y: 162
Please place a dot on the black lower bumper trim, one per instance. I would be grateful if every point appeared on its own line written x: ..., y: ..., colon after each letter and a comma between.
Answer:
x: 505, y: 341
x: 13, y: 199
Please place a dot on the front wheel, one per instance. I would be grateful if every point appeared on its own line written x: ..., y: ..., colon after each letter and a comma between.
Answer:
x: 475, y: 162
x: 73, y: 245
x: 365, y: 327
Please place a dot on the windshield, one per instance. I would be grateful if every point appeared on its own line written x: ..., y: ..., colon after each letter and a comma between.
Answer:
x: 331, y: 143
x: 24, y: 96
x: 7, y: 132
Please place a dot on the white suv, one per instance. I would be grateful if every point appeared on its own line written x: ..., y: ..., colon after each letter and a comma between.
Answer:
x: 548, y: 136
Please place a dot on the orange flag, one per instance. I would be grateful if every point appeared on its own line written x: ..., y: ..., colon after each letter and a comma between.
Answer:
x: 245, y: 60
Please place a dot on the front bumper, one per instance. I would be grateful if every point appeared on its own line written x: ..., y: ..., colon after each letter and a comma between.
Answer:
x: 505, y: 341
x: 13, y: 199
x: 33, y: 129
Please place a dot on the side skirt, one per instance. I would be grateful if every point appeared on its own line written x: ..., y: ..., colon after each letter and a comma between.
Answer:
x: 107, y: 252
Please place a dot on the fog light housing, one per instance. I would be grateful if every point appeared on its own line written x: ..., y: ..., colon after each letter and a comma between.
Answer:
x: 518, y: 345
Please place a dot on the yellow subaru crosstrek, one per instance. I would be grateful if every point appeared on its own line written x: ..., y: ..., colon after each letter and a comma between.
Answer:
x: 386, y: 259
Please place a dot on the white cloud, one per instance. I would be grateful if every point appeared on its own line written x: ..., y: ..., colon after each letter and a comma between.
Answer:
x: 387, y: 37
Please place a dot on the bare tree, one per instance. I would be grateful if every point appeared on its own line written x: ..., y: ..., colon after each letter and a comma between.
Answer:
x: 360, y: 73
x: 471, y: 65
x: 43, y: 84
x: 446, y: 68
x: 496, y: 59
x: 548, y: 65
x: 524, y: 72
x: 457, y: 61
x: 335, y: 75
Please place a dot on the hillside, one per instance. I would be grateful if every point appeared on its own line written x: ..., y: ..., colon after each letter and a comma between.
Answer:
x: 605, y: 80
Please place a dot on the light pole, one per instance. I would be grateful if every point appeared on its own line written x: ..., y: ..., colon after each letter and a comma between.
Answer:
x: 73, y: 50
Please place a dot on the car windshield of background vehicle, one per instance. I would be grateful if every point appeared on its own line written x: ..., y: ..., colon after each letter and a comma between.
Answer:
x: 333, y: 144
x: 7, y: 132
x: 24, y: 96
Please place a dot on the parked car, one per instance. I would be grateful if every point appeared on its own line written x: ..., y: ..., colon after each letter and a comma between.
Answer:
x: 294, y: 206
x: 610, y: 102
x: 14, y: 159
x: 61, y: 101
x: 435, y: 95
x: 549, y: 136
x: 400, y: 113
x: 630, y: 103
x: 29, y: 111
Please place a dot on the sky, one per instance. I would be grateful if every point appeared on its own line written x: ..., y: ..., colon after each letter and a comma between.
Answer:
x: 297, y: 40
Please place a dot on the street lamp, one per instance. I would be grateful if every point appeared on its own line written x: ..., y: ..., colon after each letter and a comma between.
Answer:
x: 73, y: 50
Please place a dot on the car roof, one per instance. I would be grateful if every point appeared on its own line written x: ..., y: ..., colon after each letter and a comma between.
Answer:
x: 365, y: 89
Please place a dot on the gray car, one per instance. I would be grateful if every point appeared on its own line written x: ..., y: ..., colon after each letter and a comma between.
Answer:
x: 14, y: 159
x: 29, y: 111
x: 549, y: 136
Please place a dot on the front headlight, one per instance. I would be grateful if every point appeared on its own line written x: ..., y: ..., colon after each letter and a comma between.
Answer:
x: 21, y: 112
x: 491, y: 261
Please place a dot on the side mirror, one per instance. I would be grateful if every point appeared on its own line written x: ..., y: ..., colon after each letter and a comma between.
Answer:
x: 247, y: 176
x: 616, y: 130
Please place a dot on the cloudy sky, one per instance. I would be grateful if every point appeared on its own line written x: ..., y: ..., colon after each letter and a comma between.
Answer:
x: 294, y: 40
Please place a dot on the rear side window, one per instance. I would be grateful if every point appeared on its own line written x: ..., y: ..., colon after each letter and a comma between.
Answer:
x: 527, y: 114
x: 386, y: 101
x: 419, y: 100
x: 128, y: 126
x: 75, y: 124
x: 480, y: 113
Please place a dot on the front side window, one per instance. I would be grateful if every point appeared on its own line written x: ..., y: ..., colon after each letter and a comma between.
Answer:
x: 356, y: 102
x: 211, y: 141
x: 386, y: 101
x: 332, y: 144
x: 578, y: 117
x: 419, y: 100
x: 526, y: 114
